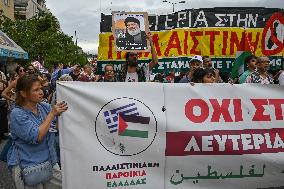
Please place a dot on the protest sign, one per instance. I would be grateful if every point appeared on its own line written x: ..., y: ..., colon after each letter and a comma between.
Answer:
x: 110, y: 139
x: 116, y: 135
x: 224, y: 136
x: 218, y: 33
x: 130, y: 31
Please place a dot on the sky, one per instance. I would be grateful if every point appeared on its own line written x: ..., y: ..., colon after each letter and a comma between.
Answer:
x: 84, y: 16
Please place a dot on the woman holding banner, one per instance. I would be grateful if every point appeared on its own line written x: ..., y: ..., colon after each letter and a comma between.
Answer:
x: 32, y: 156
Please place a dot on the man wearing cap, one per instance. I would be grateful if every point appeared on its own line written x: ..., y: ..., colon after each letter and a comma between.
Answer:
x: 207, y: 63
x: 134, y: 39
x: 131, y: 72
x: 195, y: 63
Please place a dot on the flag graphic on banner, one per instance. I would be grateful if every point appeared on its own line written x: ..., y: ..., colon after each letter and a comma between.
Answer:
x: 125, y: 128
x: 111, y: 116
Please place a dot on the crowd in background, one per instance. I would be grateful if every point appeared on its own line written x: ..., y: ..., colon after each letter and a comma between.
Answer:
x: 201, y: 71
x: 29, y: 107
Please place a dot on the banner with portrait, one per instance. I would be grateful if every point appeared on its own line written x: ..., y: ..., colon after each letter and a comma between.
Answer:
x: 130, y: 31
x: 217, y: 32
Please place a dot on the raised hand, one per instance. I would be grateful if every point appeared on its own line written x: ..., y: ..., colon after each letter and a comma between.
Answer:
x: 59, y: 107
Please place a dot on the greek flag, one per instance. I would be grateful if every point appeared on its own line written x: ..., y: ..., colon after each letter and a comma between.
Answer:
x: 111, y: 116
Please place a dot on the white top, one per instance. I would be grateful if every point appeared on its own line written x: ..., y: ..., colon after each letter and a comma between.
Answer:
x: 281, y: 78
x: 3, y: 76
x: 133, y: 77
x: 264, y: 80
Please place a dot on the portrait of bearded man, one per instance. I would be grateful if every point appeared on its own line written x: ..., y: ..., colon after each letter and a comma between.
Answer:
x: 134, y: 38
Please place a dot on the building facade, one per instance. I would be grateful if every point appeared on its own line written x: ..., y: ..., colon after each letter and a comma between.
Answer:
x: 26, y: 9
x: 7, y: 8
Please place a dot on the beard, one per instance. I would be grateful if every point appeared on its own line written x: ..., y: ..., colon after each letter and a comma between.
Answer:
x: 132, y: 63
x: 134, y: 32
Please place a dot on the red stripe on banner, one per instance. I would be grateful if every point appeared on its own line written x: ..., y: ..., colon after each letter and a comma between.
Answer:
x: 225, y: 142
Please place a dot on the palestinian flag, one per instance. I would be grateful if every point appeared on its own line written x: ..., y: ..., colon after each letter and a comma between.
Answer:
x: 239, y: 64
x: 133, y: 126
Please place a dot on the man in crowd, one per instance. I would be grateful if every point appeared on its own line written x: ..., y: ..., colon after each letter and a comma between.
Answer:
x: 75, y: 73
x: 59, y: 71
x: 207, y: 63
x: 261, y: 75
x: 195, y: 63
x: 131, y: 72
x: 251, y: 64
x: 109, y: 74
x: 87, y: 75
x: 134, y: 37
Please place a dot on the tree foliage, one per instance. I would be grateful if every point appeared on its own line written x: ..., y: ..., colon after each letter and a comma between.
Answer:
x: 42, y: 38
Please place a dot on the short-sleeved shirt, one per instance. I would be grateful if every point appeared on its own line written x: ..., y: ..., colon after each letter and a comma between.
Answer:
x: 243, y: 77
x: 141, y: 75
x: 26, y: 151
x: 3, y: 76
x: 255, y: 77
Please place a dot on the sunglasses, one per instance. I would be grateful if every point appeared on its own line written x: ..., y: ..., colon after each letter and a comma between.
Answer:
x: 109, y: 71
x: 22, y: 70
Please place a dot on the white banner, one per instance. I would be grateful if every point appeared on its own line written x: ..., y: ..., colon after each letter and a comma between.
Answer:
x: 151, y: 135
x: 112, y: 137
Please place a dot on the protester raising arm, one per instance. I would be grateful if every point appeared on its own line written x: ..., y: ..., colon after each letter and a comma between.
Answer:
x: 7, y: 91
x: 153, y: 52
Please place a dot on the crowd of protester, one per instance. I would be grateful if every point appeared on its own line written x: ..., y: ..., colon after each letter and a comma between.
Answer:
x: 29, y: 107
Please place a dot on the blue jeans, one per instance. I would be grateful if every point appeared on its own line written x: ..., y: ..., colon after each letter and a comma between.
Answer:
x: 37, y: 174
x: 53, y: 183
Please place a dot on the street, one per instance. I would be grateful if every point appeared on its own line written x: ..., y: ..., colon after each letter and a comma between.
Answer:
x: 6, y: 181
